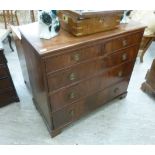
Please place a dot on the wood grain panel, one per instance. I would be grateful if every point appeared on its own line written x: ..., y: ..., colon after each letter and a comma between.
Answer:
x: 73, y: 93
x: 122, y: 42
x: 90, y: 68
x: 67, y: 59
x: 70, y: 113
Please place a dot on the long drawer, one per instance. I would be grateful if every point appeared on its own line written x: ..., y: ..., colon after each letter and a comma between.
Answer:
x: 73, y: 93
x: 74, y: 111
x: 87, y: 69
x: 3, y: 71
x: 122, y: 42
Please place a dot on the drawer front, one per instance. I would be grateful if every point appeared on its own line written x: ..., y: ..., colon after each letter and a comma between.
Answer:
x: 3, y: 71
x: 76, y: 110
x: 68, y: 95
x: 73, y: 93
x: 122, y: 42
x: 84, y: 70
x: 67, y: 59
x: 5, y: 84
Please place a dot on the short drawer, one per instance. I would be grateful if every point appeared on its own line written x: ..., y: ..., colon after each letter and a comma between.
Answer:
x: 74, y: 111
x: 73, y: 93
x: 68, y: 59
x: 3, y: 71
x: 5, y: 84
x: 78, y: 72
x: 122, y: 42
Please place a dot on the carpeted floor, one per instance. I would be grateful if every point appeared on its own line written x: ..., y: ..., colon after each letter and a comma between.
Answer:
x: 127, y: 121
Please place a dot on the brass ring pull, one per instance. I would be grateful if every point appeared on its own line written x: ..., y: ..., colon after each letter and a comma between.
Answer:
x: 124, y: 57
x: 124, y: 42
x: 120, y: 73
x: 65, y: 18
x: 72, y: 95
x: 72, y: 76
x: 116, y: 90
x: 76, y: 57
x: 71, y: 112
x: 101, y: 20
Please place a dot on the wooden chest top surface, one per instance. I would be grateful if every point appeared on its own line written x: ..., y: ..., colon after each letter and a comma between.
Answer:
x: 66, y: 40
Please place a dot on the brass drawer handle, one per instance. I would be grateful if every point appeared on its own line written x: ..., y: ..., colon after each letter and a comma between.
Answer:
x: 101, y: 20
x: 120, y: 73
x: 116, y: 90
x: 76, y: 57
x: 124, y: 57
x: 65, y: 18
x: 71, y: 112
x: 72, y: 76
x: 124, y: 42
x: 72, y: 95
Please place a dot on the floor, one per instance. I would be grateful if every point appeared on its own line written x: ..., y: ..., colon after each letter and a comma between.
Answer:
x: 127, y: 121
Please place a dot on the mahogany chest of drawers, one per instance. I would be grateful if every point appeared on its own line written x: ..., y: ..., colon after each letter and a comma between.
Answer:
x: 71, y: 76
x: 7, y: 90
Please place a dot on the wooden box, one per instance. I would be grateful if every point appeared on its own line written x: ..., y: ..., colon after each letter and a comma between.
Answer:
x: 81, y: 22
